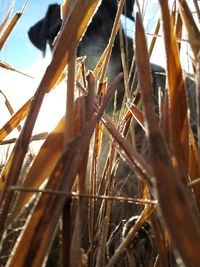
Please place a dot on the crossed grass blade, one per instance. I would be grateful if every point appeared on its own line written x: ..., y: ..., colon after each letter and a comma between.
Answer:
x: 72, y: 31
x: 42, y: 165
x: 30, y: 243
x: 11, y: 26
x: 4, y: 22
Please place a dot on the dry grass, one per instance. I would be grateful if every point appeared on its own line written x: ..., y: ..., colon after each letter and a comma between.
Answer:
x: 118, y: 189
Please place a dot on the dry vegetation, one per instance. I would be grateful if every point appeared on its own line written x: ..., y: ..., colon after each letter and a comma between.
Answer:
x: 118, y: 189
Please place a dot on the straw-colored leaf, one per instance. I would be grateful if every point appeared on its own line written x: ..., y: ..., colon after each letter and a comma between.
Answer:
x: 178, y: 111
x: 137, y: 114
x: 173, y: 197
x: 194, y: 167
x: 179, y: 28
x: 43, y: 164
x: 99, y: 65
x: 111, y: 40
x: 153, y: 41
x: 9, y: 29
x: 191, y: 27
x: 72, y: 31
x: 2, y: 25
x: 99, y: 128
x: 9, y: 67
x: 14, y: 120
x: 11, y: 26
x: 9, y: 107
x: 34, y: 241
x: 36, y: 238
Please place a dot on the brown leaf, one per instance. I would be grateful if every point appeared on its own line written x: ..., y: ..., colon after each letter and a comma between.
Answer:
x: 178, y: 110
x: 34, y: 241
x: 194, y: 167
x: 71, y: 33
x: 174, y: 199
x: 191, y: 27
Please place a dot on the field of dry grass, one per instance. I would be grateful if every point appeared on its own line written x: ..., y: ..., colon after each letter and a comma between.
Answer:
x: 118, y: 188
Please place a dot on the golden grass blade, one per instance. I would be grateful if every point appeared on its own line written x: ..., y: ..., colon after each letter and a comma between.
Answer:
x: 194, y: 167
x: 9, y: 29
x: 69, y: 115
x: 80, y: 119
x: 99, y: 65
x: 72, y: 31
x: 135, y: 161
x: 34, y: 241
x: 153, y: 41
x: 178, y: 111
x: 14, y: 120
x: 9, y: 107
x: 163, y: 258
x: 164, y: 117
x: 111, y: 40
x: 197, y: 9
x: 36, y: 137
x: 66, y: 8
x: 43, y: 164
x: 11, y: 26
x: 77, y: 195
x: 9, y: 67
x: 146, y: 213
x: 190, y: 24
x: 197, y: 82
x: 99, y: 129
x: 178, y: 29
x: 173, y: 197
x: 77, y: 22
x: 2, y: 25
x: 137, y: 114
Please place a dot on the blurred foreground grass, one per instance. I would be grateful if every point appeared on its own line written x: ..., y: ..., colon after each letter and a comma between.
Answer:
x: 106, y: 189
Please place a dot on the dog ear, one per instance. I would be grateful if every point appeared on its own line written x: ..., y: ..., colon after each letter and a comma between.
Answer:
x: 37, y: 36
x: 46, y: 29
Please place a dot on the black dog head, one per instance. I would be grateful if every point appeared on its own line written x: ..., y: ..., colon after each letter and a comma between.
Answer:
x: 45, y: 30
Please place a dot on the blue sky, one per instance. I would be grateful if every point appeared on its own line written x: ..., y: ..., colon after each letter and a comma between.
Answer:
x: 18, y: 51
x: 21, y: 54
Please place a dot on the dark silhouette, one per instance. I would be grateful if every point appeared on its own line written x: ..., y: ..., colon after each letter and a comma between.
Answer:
x: 45, y: 30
